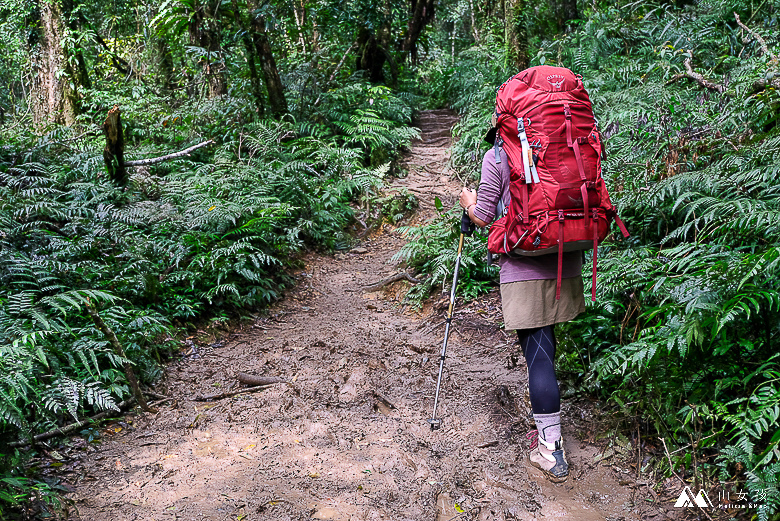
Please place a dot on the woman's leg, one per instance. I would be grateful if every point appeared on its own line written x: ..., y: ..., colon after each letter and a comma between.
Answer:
x: 538, y: 347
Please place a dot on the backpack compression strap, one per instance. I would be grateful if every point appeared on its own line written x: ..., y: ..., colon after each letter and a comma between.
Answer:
x: 529, y: 167
x: 575, y: 144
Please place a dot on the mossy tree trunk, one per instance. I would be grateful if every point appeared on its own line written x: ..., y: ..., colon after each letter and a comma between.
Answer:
x: 114, y: 152
x: 273, y: 82
x: 58, y: 71
x: 516, y: 34
x: 251, y: 57
x: 204, y: 32
x: 422, y: 12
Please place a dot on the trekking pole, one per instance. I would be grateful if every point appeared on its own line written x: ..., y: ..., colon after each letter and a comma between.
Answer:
x: 466, y: 229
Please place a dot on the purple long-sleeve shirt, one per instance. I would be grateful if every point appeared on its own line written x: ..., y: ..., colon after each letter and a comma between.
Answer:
x: 494, y: 187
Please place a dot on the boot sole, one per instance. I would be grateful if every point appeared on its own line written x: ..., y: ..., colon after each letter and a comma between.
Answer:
x: 549, y: 475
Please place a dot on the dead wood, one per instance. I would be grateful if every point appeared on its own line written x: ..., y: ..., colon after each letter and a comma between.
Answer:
x: 114, y: 152
x: 230, y: 393
x: 119, y: 351
x: 156, y: 395
x: 182, y: 153
x: 761, y: 41
x: 63, y: 431
x: 335, y: 71
x: 160, y: 402
x: 697, y: 77
x: 389, y: 280
x: 772, y: 77
x: 253, y: 380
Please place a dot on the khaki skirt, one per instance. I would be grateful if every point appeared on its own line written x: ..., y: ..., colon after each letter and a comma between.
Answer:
x: 531, y: 303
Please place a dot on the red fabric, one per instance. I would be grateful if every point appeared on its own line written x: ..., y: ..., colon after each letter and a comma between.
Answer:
x: 559, y: 123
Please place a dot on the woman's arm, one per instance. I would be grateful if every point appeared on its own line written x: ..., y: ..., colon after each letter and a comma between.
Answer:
x: 482, y: 207
x: 468, y: 200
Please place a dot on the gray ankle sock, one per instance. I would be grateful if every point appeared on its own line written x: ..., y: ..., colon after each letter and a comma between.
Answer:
x: 549, y: 427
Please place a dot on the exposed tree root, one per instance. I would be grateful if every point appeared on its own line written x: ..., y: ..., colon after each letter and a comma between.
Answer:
x: 389, y: 280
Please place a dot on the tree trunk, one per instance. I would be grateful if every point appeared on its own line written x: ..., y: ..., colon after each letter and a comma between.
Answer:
x: 204, y: 32
x: 516, y: 35
x: 114, y: 153
x: 273, y: 83
x: 566, y: 11
x: 374, y: 48
x: 370, y: 56
x: 474, y: 28
x: 165, y: 63
x: 299, y: 12
x: 421, y: 14
x: 254, y: 79
x: 54, y: 96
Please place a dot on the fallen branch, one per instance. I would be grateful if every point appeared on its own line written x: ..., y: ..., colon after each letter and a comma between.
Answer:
x: 160, y: 402
x: 389, y: 280
x: 697, y: 77
x: 671, y: 467
x: 156, y: 395
x: 153, y: 160
x: 230, y: 393
x: 758, y: 38
x: 253, y: 380
x: 62, y: 431
x: 119, y: 351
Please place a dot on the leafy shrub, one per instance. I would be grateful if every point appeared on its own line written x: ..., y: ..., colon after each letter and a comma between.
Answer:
x: 432, y: 250
x: 182, y: 242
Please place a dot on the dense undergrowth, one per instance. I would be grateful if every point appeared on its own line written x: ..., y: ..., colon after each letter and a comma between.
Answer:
x: 682, y: 341
x: 190, y: 242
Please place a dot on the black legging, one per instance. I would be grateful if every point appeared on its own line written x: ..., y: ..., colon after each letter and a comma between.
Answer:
x: 538, y: 347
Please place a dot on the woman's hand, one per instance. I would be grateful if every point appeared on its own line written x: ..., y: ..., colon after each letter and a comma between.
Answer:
x: 468, y: 200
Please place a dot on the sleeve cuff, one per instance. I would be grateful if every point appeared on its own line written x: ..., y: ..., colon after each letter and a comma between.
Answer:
x: 484, y: 215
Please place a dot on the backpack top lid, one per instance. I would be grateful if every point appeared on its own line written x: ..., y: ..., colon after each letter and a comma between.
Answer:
x: 549, y: 79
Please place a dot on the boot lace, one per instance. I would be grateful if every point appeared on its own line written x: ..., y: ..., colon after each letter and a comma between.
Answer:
x: 533, y: 438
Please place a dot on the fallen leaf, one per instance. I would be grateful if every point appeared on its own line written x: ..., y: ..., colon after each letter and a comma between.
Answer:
x: 56, y: 455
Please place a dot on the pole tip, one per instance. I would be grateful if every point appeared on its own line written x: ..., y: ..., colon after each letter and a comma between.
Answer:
x: 435, y: 424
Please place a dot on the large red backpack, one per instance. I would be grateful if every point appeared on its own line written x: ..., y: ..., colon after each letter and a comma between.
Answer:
x: 559, y: 202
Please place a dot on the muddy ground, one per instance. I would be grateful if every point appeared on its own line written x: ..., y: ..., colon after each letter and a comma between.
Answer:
x: 348, y: 439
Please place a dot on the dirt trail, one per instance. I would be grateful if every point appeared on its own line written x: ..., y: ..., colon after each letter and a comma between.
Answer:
x: 348, y: 440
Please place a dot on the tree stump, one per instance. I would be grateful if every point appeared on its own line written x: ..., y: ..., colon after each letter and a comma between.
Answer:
x: 114, y: 153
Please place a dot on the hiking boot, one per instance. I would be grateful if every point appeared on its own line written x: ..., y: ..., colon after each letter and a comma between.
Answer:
x: 551, y: 461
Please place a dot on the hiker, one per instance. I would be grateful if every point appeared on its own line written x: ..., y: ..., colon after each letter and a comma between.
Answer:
x: 528, y: 291
x: 542, y: 181
x: 528, y: 287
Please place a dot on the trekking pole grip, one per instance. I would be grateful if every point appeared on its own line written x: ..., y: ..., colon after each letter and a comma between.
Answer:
x: 467, y: 227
